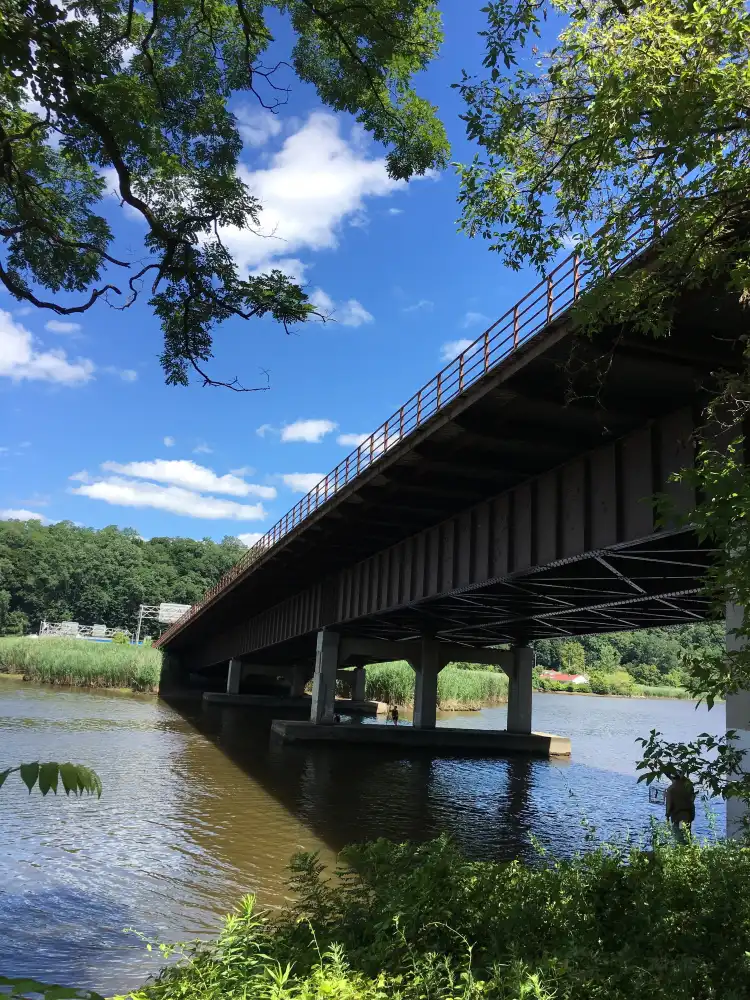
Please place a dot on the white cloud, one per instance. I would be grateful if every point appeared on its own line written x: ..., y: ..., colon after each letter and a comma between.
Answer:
x: 453, y: 348
x: 256, y: 126
x: 169, y: 442
x: 424, y: 305
x: 349, y: 313
x: 245, y: 470
x: 23, y: 311
x: 302, y: 482
x: 263, y: 430
x: 395, y: 211
x: 20, y: 359
x: 317, y: 182
x: 311, y: 431
x: 202, y: 449
x: 353, y: 440
x: 173, y: 499
x: 22, y: 515
x: 80, y: 477
x: 61, y: 326
x: 250, y: 538
x: 474, y: 319
x: 192, y: 476
x: 126, y: 374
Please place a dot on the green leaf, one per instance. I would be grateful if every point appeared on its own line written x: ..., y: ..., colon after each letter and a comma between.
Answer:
x: 4, y: 775
x: 29, y: 774
x: 48, y: 774
x: 69, y: 777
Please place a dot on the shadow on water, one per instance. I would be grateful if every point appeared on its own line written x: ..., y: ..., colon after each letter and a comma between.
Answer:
x: 346, y: 794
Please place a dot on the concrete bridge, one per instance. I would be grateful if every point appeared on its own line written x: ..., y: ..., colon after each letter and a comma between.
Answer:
x: 507, y: 500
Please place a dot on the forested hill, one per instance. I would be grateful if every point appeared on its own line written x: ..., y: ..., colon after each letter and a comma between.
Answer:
x: 65, y: 573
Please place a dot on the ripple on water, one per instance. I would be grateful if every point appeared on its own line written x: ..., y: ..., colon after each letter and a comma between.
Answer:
x: 198, y: 809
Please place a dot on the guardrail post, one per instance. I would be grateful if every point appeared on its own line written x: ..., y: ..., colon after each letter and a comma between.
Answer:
x: 576, y: 277
x: 439, y: 393
x: 419, y: 407
x: 515, y: 326
x: 486, y: 350
x: 461, y: 372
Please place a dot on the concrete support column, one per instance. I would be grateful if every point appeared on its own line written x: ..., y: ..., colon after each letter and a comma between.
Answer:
x: 519, y: 690
x: 425, y: 687
x: 738, y: 718
x: 358, y: 684
x: 234, y: 676
x: 324, y: 680
x: 299, y: 681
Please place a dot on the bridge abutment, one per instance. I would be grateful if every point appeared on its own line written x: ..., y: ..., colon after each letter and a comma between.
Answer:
x: 428, y: 666
x: 738, y: 718
x: 234, y: 676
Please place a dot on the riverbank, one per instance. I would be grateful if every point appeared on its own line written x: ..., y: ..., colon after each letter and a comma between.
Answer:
x: 422, y: 920
x: 76, y: 663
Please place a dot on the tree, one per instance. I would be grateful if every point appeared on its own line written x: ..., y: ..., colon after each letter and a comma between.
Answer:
x: 634, y: 119
x: 141, y: 91
x: 630, y: 131
x: 572, y: 658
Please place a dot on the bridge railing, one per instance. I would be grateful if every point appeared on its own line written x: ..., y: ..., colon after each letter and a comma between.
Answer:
x: 555, y: 293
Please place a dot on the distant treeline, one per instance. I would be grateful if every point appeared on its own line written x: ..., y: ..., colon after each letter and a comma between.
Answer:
x: 65, y: 573
x: 650, y: 656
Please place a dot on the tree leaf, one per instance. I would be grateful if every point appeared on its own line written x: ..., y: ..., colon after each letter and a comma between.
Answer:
x: 48, y: 775
x: 69, y: 776
x: 29, y: 774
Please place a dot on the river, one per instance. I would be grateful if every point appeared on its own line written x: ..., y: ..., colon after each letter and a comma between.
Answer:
x: 198, y: 809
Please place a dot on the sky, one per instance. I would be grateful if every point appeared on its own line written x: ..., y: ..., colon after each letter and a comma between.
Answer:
x: 90, y: 433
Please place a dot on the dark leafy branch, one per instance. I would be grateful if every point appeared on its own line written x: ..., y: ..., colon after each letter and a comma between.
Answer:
x: 141, y: 91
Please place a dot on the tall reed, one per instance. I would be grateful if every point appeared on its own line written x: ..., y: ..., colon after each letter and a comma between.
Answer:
x: 457, y: 689
x: 78, y: 663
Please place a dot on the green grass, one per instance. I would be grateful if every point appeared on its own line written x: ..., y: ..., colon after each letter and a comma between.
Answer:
x: 662, y: 691
x: 77, y: 663
x: 458, y: 689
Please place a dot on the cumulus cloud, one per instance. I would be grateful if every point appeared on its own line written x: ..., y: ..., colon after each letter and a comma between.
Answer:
x: 474, y: 319
x: 249, y: 538
x: 255, y: 125
x: 302, y: 482
x: 349, y: 313
x: 182, y: 472
x: 11, y: 514
x: 424, y: 305
x: 21, y: 359
x: 126, y: 374
x: 352, y: 440
x: 169, y: 442
x: 173, y: 499
x: 316, y: 183
x: 61, y: 326
x: 453, y: 348
x: 311, y: 431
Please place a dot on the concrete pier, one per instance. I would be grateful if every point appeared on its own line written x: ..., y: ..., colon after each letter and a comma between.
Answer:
x: 497, y: 742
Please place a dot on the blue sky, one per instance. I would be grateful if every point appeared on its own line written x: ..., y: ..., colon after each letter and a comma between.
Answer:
x: 90, y: 433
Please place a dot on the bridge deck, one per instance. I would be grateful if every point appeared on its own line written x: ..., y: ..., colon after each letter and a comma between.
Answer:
x: 513, y: 510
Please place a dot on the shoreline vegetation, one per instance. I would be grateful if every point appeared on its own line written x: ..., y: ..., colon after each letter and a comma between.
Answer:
x: 461, y: 687
x: 622, y: 921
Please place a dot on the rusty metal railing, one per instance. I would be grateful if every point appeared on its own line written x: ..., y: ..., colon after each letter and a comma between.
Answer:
x: 555, y: 293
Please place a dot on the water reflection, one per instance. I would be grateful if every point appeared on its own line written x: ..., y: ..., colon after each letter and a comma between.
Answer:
x: 200, y: 808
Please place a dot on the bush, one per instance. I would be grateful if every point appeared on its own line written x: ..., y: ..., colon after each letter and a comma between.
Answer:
x: 121, y: 639
x: 618, y: 683
x: 420, y: 921
x: 77, y: 663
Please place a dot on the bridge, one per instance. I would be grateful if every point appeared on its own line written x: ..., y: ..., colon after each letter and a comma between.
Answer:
x: 508, y: 500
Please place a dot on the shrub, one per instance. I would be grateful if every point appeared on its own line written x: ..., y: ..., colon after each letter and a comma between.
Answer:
x: 421, y: 921
x: 121, y: 639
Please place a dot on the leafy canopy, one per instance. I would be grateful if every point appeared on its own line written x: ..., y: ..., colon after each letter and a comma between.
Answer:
x: 634, y: 119
x: 140, y: 90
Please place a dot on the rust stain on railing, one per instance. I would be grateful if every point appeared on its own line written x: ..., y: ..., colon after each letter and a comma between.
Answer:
x: 530, y: 315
